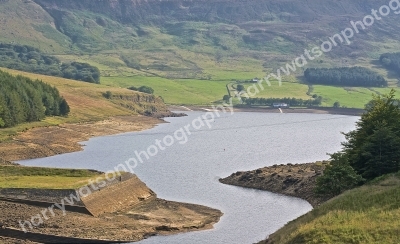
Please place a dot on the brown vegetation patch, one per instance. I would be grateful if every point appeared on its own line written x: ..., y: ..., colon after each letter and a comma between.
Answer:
x: 49, y: 141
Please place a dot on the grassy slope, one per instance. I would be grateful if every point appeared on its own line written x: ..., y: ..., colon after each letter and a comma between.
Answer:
x: 368, y: 214
x: 38, y: 177
x: 85, y: 100
x: 191, y: 62
x: 27, y: 23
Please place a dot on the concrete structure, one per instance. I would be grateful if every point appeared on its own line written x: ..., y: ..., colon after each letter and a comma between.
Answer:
x: 123, y: 192
x: 129, y: 192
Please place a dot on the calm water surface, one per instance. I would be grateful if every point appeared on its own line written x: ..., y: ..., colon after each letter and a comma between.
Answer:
x: 190, y: 172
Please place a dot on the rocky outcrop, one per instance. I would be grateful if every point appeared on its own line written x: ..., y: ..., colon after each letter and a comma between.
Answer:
x: 297, y: 180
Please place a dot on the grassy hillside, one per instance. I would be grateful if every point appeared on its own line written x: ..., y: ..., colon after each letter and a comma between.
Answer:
x: 25, y: 22
x: 189, y: 50
x: 368, y: 214
x: 87, y: 102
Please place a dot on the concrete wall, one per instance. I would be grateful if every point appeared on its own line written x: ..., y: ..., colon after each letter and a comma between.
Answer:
x: 123, y: 195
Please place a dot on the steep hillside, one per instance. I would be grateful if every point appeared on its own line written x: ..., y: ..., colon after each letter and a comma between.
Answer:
x: 253, y: 24
x: 92, y: 114
x: 200, y: 40
x: 25, y: 22
x: 264, y: 27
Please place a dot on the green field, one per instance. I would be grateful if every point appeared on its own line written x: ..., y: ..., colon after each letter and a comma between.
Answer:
x: 368, y: 214
x: 350, y: 97
x: 201, y: 92
x: 38, y: 177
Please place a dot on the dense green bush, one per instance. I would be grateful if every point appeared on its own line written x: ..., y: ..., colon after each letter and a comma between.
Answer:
x: 354, y: 76
x: 144, y: 89
x: 338, y: 176
x: 24, y: 100
x: 30, y: 59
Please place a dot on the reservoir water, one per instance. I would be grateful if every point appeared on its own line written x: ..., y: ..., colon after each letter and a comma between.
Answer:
x: 189, y: 172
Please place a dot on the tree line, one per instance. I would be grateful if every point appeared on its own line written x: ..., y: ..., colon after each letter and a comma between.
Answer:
x: 345, y: 76
x: 30, y: 59
x: 292, y: 102
x: 370, y: 151
x: 24, y: 100
x: 391, y: 61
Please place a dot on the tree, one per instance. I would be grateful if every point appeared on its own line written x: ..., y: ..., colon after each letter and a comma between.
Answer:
x: 24, y: 100
x: 226, y: 98
x: 381, y: 152
x: 336, y: 104
x: 30, y: 59
x: 2, y: 123
x: 338, y: 177
x: 240, y: 88
x: 345, y: 76
x: 373, y: 148
x: 108, y: 94
x: 64, y: 107
x: 146, y: 89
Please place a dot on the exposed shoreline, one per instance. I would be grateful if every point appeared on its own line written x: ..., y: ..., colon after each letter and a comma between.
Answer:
x: 315, y: 110
x: 296, y: 180
x: 49, y: 141
x: 158, y: 217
